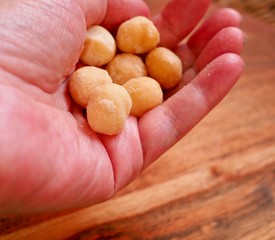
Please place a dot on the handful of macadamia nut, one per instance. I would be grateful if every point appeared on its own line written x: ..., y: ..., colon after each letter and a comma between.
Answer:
x: 123, y: 74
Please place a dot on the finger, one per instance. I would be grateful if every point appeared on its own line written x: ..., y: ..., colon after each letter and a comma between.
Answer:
x: 178, y: 19
x: 162, y: 127
x: 228, y: 40
x: 119, y: 11
x: 222, y: 18
x: 125, y: 153
x: 44, y: 38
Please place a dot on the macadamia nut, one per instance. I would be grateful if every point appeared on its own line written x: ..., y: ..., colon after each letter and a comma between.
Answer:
x: 125, y: 66
x: 164, y: 66
x: 137, y: 35
x: 83, y: 82
x: 99, y: 47
x: 145, y: 93
x: 108, y: 109
x: 128, y: 85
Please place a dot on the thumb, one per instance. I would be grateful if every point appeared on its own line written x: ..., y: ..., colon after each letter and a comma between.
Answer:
x: 45, y: 37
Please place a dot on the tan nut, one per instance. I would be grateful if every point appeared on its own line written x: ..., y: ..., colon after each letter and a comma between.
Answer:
x: 108, y: 109
x: 83, y: 82
x: 164, y: 66
x: 137, y: 35
x: 145, y: 93
x: 99, y: 47
x: 125, y: 66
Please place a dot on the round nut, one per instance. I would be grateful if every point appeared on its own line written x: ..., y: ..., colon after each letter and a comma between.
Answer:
x: 108, y: 109
x: 99, y: 47
x: 164, y: 66
x: 145, y: 93
x: 83, y: 82
x: 137, y: 35
x: 125, y: 66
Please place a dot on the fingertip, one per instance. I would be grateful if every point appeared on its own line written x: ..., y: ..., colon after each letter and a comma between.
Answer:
x: 227, y: 40
x: 228, y: 65
x: 94, y: 11
x: 232, y: 60
x: 119, y: 11
x: 237, y: 63
x: 234, y: 13
x: 218, y: 77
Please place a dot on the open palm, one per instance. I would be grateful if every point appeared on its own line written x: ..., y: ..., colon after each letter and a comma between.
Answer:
x: 49, y: 158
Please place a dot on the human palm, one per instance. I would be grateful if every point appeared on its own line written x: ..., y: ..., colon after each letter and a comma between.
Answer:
x: 49, y: 158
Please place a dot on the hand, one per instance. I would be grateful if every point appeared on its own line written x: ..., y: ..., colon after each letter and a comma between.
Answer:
x: 49, y: 157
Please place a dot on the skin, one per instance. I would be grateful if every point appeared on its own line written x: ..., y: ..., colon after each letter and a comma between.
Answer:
x: 49, y: 157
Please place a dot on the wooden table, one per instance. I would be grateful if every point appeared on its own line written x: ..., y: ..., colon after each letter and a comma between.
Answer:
x: 216, y: 183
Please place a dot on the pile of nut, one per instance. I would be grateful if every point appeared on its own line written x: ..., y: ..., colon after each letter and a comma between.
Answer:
x: 125, y: 74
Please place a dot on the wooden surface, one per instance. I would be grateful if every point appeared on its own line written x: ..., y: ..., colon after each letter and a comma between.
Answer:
x: 264, y: 9
x: 216, y: 183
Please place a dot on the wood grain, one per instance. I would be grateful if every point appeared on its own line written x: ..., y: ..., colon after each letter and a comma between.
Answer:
x: 216, y: 183
x: 263, y: 10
